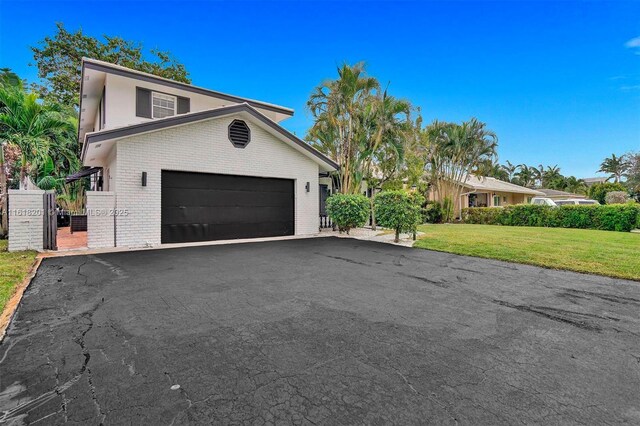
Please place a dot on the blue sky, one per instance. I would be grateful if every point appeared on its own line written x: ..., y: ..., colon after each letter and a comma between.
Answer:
x: 559, y: 82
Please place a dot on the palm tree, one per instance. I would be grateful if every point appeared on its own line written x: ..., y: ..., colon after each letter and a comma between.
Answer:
x: 615, y: 166
x: 551, y: 176
x: 510, y: 170
x: 574, y: 185
x: 337, y: 108
x: 31, y: 126
x: 457, y: 150
x: 526, y: 175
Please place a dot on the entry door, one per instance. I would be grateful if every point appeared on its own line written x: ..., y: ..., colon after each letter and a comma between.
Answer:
x: 205, y: 207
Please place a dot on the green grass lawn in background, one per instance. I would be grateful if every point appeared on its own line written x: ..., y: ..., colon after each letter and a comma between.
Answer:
x: 615, y: 254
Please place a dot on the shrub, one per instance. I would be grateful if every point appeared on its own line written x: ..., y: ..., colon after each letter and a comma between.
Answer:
x: 617, y: 217
x: 482, y: 215
x: 599, y: 191
x: 432, y: 213
x: 399, y: 210
x: 348, y: 210
x: 616, y: 197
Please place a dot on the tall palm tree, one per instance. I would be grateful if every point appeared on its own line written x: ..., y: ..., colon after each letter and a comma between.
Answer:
x: 615, y: 166
x: 456, y: 150
x: 510, y: 170
x: 31, y: 126
x: 526, y: 175
x: 336, y: 106
x: 550, y: 176
x: 575, y: 185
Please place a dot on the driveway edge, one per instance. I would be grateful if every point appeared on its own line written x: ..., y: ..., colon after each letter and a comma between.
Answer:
x: 12, y: 305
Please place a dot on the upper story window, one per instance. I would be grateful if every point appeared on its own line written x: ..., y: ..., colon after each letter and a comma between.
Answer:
x: 163, y: 105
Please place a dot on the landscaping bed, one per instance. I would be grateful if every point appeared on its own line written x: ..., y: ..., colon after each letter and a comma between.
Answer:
x: 598, y: 252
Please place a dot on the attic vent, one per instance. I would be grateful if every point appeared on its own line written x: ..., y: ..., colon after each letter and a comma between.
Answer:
x: 239, y: 133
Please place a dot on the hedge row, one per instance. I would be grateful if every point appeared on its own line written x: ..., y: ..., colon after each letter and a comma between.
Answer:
x: 618, y: 217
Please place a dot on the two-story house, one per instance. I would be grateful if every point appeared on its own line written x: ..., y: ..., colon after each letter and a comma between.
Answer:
x: 179, y: 163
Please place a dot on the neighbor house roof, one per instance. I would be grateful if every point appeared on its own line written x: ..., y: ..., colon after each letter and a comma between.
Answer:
x: 484, y: 183
x: 556, y: 193
x: 182, y: 119
x: 592, y: 180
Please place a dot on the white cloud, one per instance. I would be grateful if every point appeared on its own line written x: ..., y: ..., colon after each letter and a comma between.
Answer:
x: 634, y: 44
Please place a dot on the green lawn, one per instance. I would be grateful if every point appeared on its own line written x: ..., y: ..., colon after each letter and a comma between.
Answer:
x: 615, y: 254
x: 14, y: 267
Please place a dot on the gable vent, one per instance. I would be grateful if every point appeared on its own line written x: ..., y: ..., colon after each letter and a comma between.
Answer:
x: 239, y: 133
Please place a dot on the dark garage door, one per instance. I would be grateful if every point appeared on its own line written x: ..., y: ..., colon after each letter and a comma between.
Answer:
x: 205, y: 207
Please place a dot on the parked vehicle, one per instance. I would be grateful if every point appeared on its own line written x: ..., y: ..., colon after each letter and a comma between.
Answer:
x: 577, y: 202
x: 543, y: 201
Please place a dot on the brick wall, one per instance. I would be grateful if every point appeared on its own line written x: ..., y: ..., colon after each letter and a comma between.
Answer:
x: 100, y: 219
x: 26, y: 219
x: 203, y: 147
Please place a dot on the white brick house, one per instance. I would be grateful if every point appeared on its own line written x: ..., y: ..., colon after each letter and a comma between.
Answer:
x: 180, y: 163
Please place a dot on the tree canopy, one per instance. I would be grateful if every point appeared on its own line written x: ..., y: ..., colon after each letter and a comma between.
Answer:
x: 59, y: 58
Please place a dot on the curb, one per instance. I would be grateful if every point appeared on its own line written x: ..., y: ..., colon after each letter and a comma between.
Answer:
x: 13, y: 302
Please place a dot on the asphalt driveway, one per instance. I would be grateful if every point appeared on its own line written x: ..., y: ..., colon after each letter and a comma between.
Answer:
x: 319, y: 331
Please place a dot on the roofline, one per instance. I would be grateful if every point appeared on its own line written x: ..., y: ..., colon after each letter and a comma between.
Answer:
x: 177, y: 120
x: 517, y: 190
x: 150, y: 78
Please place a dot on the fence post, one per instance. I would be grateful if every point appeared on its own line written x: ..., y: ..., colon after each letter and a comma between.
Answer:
x: 26, y: 219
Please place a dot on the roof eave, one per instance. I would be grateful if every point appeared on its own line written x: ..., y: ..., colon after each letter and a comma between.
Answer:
x: 183, y: 119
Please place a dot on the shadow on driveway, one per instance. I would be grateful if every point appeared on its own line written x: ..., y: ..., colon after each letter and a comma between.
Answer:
x: 319, y: 331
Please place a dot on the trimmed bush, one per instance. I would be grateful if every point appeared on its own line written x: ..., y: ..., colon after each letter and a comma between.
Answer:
x: 599, y: 191
x: 399, y: 210
x: 617, y: 217
x: 348, y: 210
x: 482, y: 215
x: 617, y: 197
x: 432, y: 213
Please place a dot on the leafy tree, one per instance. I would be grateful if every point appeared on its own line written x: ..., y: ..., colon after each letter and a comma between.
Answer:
x: 59, y: 58
x: 348, y: 210
x: 599, y: 191
x: 615, y: 166
x: 399, y: 211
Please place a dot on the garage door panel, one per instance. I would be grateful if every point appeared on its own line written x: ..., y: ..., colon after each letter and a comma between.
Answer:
x: 203, y: 207
x: 221, y: 215
x: 218, y: 198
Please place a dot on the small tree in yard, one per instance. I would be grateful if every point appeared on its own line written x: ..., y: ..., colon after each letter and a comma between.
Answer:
x: 348, y: 210
x: 400, y: 211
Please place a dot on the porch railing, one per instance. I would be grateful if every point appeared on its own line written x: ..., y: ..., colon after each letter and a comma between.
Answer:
x: 325, y: 222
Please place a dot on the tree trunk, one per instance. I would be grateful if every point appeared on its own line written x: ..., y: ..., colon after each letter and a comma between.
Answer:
x: 23, y: 172
x: 373, y: 215
x: 397, y: 239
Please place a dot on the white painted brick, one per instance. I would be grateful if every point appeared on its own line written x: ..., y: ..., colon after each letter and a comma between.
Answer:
x: 202, y: 147
x: 100, y: 219
x: 26, y: 220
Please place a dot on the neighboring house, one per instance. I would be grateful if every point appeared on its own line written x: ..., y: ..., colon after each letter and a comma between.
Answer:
x: 180, y: 163
x: 554, y: 194
x: 490, y: 192
x: 594, y: 180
